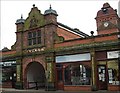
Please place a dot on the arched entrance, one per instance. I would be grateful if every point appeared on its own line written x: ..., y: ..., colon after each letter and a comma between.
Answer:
x: 35, y: 74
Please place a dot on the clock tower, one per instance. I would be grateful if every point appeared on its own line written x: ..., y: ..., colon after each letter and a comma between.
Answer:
x: 107, y: 20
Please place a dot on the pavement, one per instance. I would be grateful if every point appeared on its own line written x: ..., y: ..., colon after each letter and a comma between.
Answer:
x: 7, y: 90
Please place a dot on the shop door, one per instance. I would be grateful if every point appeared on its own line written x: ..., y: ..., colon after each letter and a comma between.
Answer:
x: 102, y: 77
x: 60, y: 83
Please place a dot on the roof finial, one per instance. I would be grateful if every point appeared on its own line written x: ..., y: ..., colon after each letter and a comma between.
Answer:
x: 92, y: 32
x: 50, y: 6
x: 21, y: 16
x: 33, y: 5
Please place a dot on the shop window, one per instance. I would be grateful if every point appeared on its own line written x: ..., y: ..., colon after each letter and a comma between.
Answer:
x: 113, y: 78
x: 113, y: 73
x: 77, y: 75
x: 34, y: 38
x: 8, y: 74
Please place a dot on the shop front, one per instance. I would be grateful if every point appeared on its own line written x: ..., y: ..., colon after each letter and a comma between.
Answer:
x: 113, y: 65
x: 73, y: 72
x: 52, y: 56
x: 8, y: 74
x: 108, y: 76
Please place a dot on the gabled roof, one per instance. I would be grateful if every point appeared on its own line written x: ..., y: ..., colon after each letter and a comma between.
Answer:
x: 73, y: 30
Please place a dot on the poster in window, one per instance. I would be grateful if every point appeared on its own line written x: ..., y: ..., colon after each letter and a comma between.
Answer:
x: 100, y: 78
x: 103, y: 79
x: 99, y: 69
x: 110, y: 81
x: 104, y: 71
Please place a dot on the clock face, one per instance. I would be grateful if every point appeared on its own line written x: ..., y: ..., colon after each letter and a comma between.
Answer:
x: 106, y: 24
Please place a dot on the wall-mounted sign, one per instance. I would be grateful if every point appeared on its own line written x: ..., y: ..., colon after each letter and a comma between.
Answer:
x: 9, y: 63
x: 113, y: 54
x: 73, y: 58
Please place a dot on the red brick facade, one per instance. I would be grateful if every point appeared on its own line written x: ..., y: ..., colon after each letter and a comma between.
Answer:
x: 58, y: 40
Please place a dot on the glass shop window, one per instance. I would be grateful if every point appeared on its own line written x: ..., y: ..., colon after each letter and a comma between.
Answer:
x: 113, y: 78
x: 8, y: 74
x: 77, y: 75
x: 113, y: 73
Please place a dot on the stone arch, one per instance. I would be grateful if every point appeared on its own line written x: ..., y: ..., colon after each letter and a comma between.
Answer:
x: 35, y: 73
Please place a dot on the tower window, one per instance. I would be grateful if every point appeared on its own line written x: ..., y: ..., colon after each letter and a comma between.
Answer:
x: 34, y: 38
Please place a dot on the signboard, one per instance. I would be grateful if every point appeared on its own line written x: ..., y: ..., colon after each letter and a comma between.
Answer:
x: 113, y: 54
x: 9, y: 63
x: 73, y: 58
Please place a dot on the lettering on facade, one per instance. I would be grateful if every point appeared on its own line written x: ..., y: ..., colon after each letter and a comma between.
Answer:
x: 9, y: 63
x: 35, y: 50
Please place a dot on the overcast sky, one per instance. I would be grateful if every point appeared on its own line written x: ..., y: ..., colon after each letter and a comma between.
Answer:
x: 76, y: 14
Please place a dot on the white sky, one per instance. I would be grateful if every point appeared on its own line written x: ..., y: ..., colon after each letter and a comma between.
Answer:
x: 76, y: 14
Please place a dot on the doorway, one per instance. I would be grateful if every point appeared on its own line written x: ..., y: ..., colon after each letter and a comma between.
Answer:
x: 102, y: 77
x: 35, y: 76
x: 59, y: 76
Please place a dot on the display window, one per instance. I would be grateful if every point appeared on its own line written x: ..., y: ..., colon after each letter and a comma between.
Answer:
x: 8, y: 74
x: 77, y: 74
x: 74, y: 74
x: 113, y: 73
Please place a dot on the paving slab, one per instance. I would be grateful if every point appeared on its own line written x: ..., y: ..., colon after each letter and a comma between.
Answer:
x: 5, y: 90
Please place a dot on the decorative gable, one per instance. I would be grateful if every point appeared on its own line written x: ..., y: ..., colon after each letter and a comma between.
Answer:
x: 35, y: 19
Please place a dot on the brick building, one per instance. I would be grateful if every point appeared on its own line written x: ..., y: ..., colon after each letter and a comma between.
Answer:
x: 54, y: 56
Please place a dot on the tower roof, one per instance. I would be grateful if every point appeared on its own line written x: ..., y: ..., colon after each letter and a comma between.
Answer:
x: 50, y: 11
x: 106, y: 10
x: 21, y: 20
x: 5, y: 49
x: 106, y: 5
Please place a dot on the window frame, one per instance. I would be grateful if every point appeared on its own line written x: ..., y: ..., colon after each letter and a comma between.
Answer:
x: 34, y: 38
